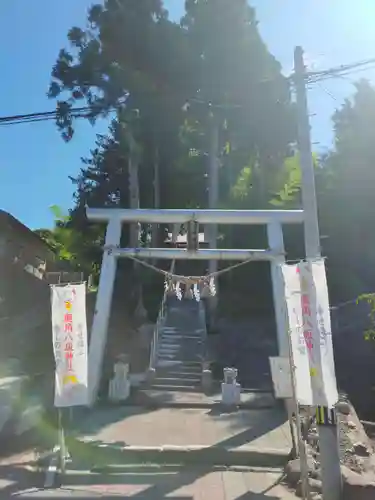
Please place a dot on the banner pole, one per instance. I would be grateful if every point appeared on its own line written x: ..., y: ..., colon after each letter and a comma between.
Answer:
x: 61, y: 440
x: 301, y: 444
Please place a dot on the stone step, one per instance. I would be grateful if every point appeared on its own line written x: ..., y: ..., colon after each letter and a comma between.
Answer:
x: 169, y: 371
x: 180, y: 335
x: 170, y: 357
x: 175, y: 387
x: 184, y: 330
x: 168, y: 348
x: 179, y: 382
x: 181, y: 369
x: 187, y: 375
x: 103, y: 456
x: 179, y: 363
x: 185, y: 351
x: 187, y: 341
x: 184, y: 354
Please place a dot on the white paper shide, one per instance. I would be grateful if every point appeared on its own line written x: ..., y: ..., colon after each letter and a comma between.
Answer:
x: 69, y: 333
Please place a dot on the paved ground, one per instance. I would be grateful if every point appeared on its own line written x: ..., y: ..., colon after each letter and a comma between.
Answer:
x: 183, y: 427
x: 187, y: 427
x: 168, y: 483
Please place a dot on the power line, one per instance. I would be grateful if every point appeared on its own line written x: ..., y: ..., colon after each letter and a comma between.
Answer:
x: 83, y: 112
x: 340, y: 71
x: 313, y: 77
x: 43, y: 116
x: 327, y: 92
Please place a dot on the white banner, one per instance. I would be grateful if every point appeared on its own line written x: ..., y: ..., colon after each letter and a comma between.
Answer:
x: 69, y: 333
x: 299, y: 349
x: 317, y: 332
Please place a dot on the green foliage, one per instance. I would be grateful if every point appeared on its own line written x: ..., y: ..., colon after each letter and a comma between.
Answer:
x: 215, y: 60
x: 346, y: 193
x: 59, y: 215
x: 242, y: 187
x: 292, y: 183
x: 369, y: 333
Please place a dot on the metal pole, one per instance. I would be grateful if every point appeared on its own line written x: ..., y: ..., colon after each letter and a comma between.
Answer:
x: 328, y: 436
x: 301, y: 444
x: 61, y: 441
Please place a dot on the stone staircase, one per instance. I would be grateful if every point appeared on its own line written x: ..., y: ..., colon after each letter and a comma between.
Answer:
x: 180, y: 349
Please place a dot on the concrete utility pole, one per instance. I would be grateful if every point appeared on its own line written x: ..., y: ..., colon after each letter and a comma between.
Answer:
x: 213, y: 195
x: 328, y: 435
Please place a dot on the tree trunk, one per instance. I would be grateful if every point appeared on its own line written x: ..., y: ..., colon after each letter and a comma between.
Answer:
x: 155, y: 227
x: 140, y: 311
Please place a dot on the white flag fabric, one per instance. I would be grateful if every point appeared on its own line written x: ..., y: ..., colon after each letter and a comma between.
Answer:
x: 318, y: 333
x: 292, y: 286
x: 69, y: 334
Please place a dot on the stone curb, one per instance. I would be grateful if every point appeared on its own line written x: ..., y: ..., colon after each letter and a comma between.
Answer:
x: 207, y: 455
x: 145, y: 400
x: 200, y: 406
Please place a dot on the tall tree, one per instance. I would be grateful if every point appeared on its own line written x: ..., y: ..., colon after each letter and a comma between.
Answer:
x: 346, y: 200
x: 216, y: 61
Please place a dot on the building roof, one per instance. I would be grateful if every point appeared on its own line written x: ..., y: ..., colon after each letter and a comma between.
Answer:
x: 6, y: 219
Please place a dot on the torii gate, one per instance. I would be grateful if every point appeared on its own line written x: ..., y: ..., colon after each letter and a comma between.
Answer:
x: 114, y: 218
x: 328, y: 436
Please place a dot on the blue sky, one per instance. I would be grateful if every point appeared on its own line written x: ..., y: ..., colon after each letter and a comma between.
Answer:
x: 35, y: 162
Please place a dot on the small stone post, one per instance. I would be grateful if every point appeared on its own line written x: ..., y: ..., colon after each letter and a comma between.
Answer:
x: 230, y: 389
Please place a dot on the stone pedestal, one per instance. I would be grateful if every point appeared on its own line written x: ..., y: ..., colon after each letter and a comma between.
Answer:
x: 230, y: 394
x: 230, y: 389
x: 119, y: 386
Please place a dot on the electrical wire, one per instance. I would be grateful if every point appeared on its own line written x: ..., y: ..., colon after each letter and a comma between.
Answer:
x: 338, y: 74
x: 312, y: 77
x: 83, y: 112
x: 327, y: 92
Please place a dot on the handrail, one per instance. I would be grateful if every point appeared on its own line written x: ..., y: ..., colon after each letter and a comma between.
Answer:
x: 159, y: 322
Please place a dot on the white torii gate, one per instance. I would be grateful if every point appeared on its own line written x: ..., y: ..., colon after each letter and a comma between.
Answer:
x: 114, y: 218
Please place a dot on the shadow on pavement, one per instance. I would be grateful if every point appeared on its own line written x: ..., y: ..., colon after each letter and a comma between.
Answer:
x: 15, y: 478
x: 140, y: 486
x: 155, y: 483
x: 97, y: 452
x: 43, y: 437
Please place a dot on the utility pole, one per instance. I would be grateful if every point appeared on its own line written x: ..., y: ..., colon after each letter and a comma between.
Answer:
x: 328, y: 435
x: 213, y: 196
x: 311, y: 225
